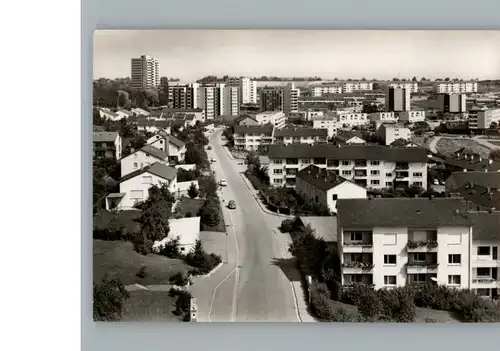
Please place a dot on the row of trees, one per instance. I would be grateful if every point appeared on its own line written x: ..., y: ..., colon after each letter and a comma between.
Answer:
x: 119, y: 94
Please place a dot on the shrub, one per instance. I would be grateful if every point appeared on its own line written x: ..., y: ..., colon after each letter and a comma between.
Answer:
x: 474, y: 309
x: 320, y: 301
x: 193, y: 191
x: 108, y: 299
x: 142, y: 245
x: 200, y: 260
x: 368, y: 302
x: 287, y: 225
x: 397, y: 304
x: 179, y: 279
x: 209, y: 212
x: 142, y: 273
x: 171, y: 249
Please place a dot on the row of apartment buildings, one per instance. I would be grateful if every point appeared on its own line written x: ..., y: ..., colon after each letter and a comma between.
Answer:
x: 410, y: 241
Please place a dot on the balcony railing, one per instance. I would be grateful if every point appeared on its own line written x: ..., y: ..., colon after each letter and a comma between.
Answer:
x: 412, y: 244
x: 422, y: 264
x: 402, y: 167
x: 358, y: 264
x: 484, y: 280
x: 358, y: 244
x: 348, y: 285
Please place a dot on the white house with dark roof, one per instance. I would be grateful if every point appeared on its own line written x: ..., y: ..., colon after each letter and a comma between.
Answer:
x: 300, y: 136
x: 187, y: 230
x: 391, y: 242
x: 252, y: 137
x: 107, y: 144
x: 371, y: 166
x: 175, y: 148
x: 320, y: 186
x: 485, y: 261
x: 134, y: 186
x: 143, y: 157
x: 348, y: 138
x: 390, y: 132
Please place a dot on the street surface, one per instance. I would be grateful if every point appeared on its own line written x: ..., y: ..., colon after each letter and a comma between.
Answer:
x: 250, y: 287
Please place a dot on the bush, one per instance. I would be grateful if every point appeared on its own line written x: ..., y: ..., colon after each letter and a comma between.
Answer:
x: 182, y: 302
x: 287, y: 225
x: 397, y: 304
x: 320, y: 301
x: 142, y: 245
x: 474, y: 309
x: 179, y: 279
x: 142, y: 273
x: 209, y: 212
x: 109, y: 299
x: 193, y: 191
x: 367, y: 301
x: 200, y: 260
x: 171, y: 249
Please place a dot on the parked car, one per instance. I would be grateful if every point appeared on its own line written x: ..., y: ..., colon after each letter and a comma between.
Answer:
x: 436, y: 182
x: 209, y: 147
x: 223, y: 182
x: 213, y: 159
x: 231, y: 205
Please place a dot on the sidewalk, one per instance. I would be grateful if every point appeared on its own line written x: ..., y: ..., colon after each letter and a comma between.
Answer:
x: 486, y: 143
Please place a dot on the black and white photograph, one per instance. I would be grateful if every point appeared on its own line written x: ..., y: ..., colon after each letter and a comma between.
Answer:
x: 346, y: 176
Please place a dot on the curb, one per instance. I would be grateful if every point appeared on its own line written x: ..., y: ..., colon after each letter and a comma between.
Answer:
x: 216, y: 268
x: 262, y: 207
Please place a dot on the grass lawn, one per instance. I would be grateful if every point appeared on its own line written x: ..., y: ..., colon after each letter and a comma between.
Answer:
x: 447, y: 146
x: 118, y: 259
x: 193, y: 206
x: 126, y: 218
x: 149, y: 306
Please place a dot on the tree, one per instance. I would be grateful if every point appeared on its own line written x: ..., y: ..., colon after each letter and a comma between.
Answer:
x: 209, y: 212
x: 494, y: 125
x: 123, y: 100
x: 414, y: 79
x: 207, y: 186
x: 495, y: 155
x: 156, y: 211
x: 109, y: 298
x: 193, y: 191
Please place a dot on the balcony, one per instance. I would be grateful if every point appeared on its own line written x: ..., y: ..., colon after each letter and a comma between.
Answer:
x: 421, y: 245
x: 360, y: 174
x: 422, y: 267
x: 349, y: 280
x: 290, y: 172
x: 402, y: 175
x: 402, y: 166
x: 357, y: 267
x: 319, y: 161
x: 360, y: 164
x: 356, y: 247
x: 485, y: 283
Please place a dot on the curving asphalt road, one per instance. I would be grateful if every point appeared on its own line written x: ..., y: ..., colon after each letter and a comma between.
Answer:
x: 251, y: 287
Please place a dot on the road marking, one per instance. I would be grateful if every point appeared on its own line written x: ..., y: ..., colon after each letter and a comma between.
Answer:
x: 295, y: 301
x: 215, y: 291
x: 237, y: 277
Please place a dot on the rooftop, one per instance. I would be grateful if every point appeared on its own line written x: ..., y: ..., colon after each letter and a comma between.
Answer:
x: 267, y: 128
x: 345, y: 135
x: 480, y: 196
x: 320, y: 178
x: 104, y: 137
x: 149, y: 149
x: 158, y: 169
x: 402, y: 212
x: 485, y: 225
x: 187, y: 229
x: 301, y: 132
x: 485, y: 179
x: 349, y: 152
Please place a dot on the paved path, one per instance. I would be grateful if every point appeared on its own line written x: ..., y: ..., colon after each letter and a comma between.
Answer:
x: 433, y: 143
x: 486, y: 143
x: 254, y: 285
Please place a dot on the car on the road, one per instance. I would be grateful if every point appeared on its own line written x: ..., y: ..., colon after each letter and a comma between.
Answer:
x: 436, y: 182
x: 231, y: 205
x: 209, y: 147
x: 213, y: 160
x: 222, y: 182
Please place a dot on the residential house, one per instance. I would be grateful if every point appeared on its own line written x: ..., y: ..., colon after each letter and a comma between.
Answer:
x: 300, y: 135
x: 388, y: 133
x: 328, y: 122
x: 371, y: 166
x: 392, y: 242
x: 134, y: 186
x: 153, y: 125
x: 143, y: 157
x: 480, y: 189
x: 175, y: 148
x: 246, y: 120
x: 253, y: 137
x: 383, y: 117
x: 348, y: 138
x: 107, y: 144
x: 186, y: 229
x: 466, y: 159
x: 276, y: 118
x: 264, y: 161
x: 140, y: 112
x: 485, y: 261
x: 325, y: 187
x: 325, y: 227
x: 183, y: 187
x: 411, y: 116
x: 122, y: 113
x: 106, y: 113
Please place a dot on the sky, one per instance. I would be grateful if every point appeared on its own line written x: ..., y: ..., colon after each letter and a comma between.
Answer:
x: 193, y: 54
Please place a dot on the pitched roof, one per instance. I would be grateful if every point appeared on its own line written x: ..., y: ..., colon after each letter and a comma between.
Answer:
x: 301, y: 132
x: 187, y: 229
x: 479, y: 196
x: 179, y: 143
x: 127, y: 112
x: 320, y: 178
x: 401, y: 212
x: 475, y: 164
x: 485, y: 225
x: 348, y: 152
x: 159, y: 169
x: 98, y: 137
x: 268, y: 128
x: 402, y: 142
x: 325, y: 227
x: 149, y: 149
x: 485, y: 179
x: 346, y: 135
x: 243, y: 117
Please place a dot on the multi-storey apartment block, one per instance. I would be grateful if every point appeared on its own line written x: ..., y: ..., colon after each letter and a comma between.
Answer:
x: 455, y: 87
x: 349, y: 120
x: 276, y: 118
x: 300, y: 136
x: 107, y: 144
x: 383, y: 117
x: 484, y: 256
x: 328, y: 122
x: 371, y: 166
x: 412, y: 87
x: 394, y: 242
x: 183, y: 96
x: 230, y: 101
x: 390, y: 132
x: 145, y: 72
x: 397, y: 100
x: 247, y: 90
x: 321, y: 90
x: 285, y: 99
x: 349, y: 87
x: 411, y: 116
x: 453, y: 103
x: 483, y: 118
x: 253, y: 137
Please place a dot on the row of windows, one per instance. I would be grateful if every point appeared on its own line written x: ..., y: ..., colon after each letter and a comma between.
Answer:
x: 422, y: 257
x: 454, y: 279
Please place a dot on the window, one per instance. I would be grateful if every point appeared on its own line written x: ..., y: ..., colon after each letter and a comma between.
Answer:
x: 135, y: 164
x: 419, y: 257
x: 345, y: 163
x: 306, y: 161
x: 375, y: 172
x: 356, y: 236
x: 147, y: 180
x: 483, y: 272
x: 374, y: 182
x: 483, y: 250
x: 417, y: 183
x: 454, y: 239
x: 417, y: 174
x: 334, y: 197
x: 389, y: 259
x: 419, y: 278
x: 348, y: 173
x: 375, y: 163
x: 388, y: 183
x: 390, y: 239
x: 389, y: 280
x: 136, y: 194
x: 454, y: 280
x: 454, y: 259
x: 277, y: 162
x: 278, y: 171
x: 278, y: 181
x: 388, y: 174
x: 316, y: 199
